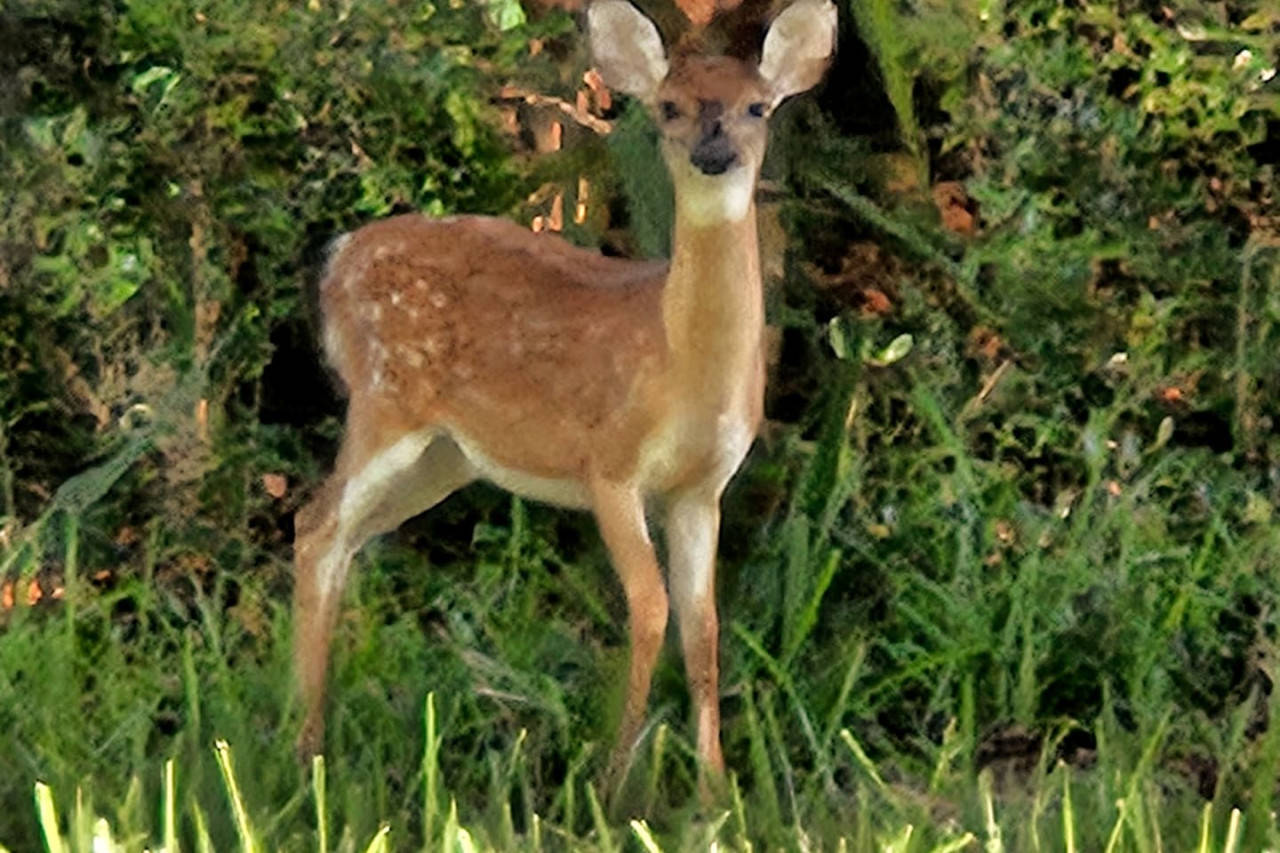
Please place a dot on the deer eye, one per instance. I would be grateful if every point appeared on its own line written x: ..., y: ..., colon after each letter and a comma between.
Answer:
x: 670, y: 111
x: 756, y: 110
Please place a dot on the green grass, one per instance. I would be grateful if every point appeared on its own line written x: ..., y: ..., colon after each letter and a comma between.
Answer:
x: 967, y: 670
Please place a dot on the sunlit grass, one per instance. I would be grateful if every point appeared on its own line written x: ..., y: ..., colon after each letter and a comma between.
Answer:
x: 84, y: 829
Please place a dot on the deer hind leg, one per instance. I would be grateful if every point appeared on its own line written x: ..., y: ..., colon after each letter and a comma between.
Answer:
x: 619, y: 512
x: 693, y: 530
x: 370, y: 493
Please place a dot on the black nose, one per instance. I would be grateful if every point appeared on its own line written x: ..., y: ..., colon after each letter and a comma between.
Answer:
x: 713, y: 155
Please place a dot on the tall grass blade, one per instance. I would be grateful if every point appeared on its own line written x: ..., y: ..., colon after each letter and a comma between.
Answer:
x: 204, y: 844
x: 901, y: 842
x: 796, y: 570
x: 1206, y: 824
x: 48, y: 816
x: 640, y: 830
x: 243, y: 828
x: 507, y: 827
x: 655, y: 768
x: 1068, y: 813
x: 1232, y: 844
x: 711, y: 832
x: 955, y: 845
x: 808, y: 617
x: 322, y: 809
x: 947, y: 752
x: 864, y: 761
x: 190, y: 685
x: 430, y: 772
x: 761, y: 767
x: 381, y: 842
x: 1113, y: 840
x: 739, y: 813
x: 103, y: 842
x: 995, y: 838
x: 780, y: 750
x: 603, y: 833
x: 449, y: 837
x: 81, y: 834
x: 170, y: 808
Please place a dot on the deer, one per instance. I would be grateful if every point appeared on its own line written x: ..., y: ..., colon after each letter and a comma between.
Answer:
x: 473, y: 348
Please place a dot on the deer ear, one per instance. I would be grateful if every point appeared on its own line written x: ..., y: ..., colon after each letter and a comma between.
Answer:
x: 798, y: 47
x: 626, y: 48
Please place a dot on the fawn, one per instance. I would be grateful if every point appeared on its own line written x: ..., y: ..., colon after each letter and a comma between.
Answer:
x: 474, y: 348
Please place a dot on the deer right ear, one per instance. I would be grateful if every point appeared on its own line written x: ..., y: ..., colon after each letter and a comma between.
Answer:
x: 798, y: 47
x: 626, y: 48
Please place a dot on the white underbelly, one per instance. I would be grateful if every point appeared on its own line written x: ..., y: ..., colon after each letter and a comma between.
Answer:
x: 565, y: 493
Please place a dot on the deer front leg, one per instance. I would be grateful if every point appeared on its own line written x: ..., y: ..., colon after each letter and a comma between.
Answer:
x: 693, y: 530
x: 619, y: 511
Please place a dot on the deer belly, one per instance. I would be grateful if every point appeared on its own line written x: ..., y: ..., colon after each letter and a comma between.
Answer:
x: 559, y: 492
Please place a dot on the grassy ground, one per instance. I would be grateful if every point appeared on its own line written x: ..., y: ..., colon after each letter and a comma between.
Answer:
x: 886, y: 674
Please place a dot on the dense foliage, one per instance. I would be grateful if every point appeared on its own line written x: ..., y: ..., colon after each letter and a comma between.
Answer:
x: 1041, y: 529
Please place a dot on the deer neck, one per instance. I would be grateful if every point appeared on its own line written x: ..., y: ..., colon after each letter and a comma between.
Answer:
x: 713, y: 304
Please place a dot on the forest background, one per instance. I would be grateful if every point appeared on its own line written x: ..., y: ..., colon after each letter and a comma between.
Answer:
x: 1001, y: 573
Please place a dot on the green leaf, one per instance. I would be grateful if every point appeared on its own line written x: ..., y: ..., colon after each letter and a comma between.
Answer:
x: 505, y: 14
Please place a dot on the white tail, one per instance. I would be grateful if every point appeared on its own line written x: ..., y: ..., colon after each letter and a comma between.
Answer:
x: 473, y: 348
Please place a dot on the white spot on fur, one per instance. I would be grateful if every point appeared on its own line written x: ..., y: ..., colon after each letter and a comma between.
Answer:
x: 411, y: 355
x: 396, y: 297
x: 439, y: 298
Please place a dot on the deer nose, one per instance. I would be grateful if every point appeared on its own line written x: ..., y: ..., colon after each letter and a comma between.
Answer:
x: 714, y: 154
x: 713, y: 160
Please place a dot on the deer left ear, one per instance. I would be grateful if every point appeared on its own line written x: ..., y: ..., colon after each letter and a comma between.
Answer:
x: 798, y: 47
